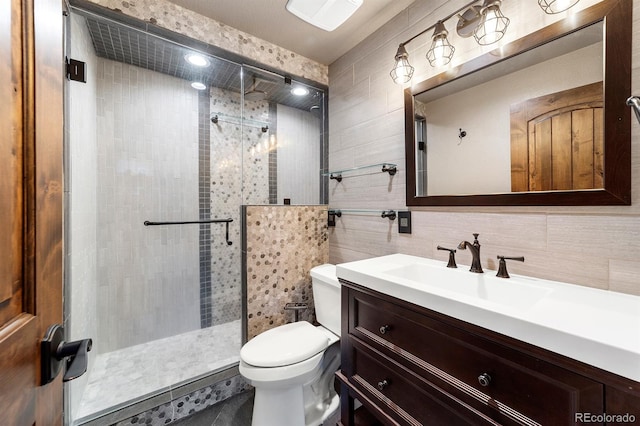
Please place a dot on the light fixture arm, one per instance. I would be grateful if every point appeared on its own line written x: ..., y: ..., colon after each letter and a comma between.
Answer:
x: 451, y: 15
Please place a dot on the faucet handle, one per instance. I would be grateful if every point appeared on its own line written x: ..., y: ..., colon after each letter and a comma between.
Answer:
x: 452, y: 256
x: 502, y: 266
x: 475, y: 237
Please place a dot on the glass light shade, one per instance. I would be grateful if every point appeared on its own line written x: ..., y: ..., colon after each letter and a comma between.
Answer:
x: 556, y: 6
x: 403, y: 71
x: 441, y: 51
x: 493, y: 24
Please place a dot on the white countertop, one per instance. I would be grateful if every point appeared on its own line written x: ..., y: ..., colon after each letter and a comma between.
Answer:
x: 598, y: 327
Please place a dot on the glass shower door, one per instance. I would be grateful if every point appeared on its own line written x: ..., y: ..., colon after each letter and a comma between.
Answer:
x: 153, y: 269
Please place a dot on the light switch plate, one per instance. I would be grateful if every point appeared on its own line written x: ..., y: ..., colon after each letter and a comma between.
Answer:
x: 404, y: 222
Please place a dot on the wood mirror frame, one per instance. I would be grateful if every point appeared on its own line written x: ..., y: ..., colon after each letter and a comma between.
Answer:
x: 617, y: 18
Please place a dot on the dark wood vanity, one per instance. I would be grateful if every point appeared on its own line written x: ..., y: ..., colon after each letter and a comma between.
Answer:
x: 409, y: 365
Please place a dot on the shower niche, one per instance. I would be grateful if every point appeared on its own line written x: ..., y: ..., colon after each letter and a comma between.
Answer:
x: 152, y: 137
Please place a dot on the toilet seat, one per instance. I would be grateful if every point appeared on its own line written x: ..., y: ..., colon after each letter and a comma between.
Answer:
x: 284, y: 345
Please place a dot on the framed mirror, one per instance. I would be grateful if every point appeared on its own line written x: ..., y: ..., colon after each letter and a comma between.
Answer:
x: 541, y: 121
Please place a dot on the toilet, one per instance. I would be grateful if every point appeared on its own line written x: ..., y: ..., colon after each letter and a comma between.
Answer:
x: 292, y: 366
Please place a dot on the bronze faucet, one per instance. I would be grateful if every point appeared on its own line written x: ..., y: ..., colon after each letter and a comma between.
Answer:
x: 475, y: 253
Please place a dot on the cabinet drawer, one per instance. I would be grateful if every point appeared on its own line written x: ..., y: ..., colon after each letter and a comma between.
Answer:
x: 485, y: 374
x: 401, y: 392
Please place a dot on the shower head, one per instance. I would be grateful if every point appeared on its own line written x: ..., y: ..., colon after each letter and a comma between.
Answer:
x: 253, y: 94
x: 634, y: 102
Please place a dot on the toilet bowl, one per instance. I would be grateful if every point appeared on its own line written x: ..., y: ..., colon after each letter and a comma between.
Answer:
x: 292, y: 366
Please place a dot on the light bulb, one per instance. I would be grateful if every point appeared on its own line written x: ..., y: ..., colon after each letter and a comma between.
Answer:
x: 403, y: 71
x: 493, y: 23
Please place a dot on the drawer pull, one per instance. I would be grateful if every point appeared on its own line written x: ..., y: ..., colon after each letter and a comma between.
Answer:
x: 383, y: 384
x: 484, y: 379
x: 385, y: 329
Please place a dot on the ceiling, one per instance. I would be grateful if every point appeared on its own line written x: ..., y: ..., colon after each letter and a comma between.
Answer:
x: 128, y: 45
x: 270, y: 21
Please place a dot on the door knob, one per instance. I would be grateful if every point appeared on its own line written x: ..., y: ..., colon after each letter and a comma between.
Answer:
x: 54, y: 350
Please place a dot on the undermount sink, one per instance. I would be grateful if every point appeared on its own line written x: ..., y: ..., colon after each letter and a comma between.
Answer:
x: 510, y: 293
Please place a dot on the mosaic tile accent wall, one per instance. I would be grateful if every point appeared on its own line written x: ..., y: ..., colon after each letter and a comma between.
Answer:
x: 189, y: 404
x: 204, y: 207
x: 283, y: 243
x: 183, y: 21
x: 235, y: 151
x: 273, y: 155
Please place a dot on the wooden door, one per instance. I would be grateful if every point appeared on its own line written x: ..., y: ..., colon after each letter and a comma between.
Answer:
x: 31, y: 193
x: 557, y: 141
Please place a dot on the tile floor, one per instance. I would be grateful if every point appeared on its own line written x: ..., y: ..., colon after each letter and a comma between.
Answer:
x: 235, y: 411
x: 135, y: 373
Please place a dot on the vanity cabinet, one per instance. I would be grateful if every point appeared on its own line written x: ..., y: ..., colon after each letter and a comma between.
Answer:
x: 409, y: 365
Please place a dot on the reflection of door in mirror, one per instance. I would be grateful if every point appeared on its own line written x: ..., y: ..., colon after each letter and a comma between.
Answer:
x: 421, y: 153
x: 557, y: 141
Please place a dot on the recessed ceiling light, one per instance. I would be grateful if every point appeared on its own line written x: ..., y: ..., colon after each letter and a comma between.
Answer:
x: 197, y: 85
x: 300, y: 91
x: 197, y: 60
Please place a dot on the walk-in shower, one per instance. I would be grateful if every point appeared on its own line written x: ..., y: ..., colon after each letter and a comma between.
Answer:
x: 156, y: 174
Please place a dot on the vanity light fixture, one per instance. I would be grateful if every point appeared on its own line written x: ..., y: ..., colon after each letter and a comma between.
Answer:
x: 403, y: 71
x: 441, y: 51
x: 198, y: 85
x: 493, y: 24
x: 486, y: 23
x: 197, y: 60
x: 556, y: 6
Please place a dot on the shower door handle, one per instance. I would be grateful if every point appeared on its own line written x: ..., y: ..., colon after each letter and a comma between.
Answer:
x: 54, y: 350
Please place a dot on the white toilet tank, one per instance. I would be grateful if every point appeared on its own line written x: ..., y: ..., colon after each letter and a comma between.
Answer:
x: 326, y: 296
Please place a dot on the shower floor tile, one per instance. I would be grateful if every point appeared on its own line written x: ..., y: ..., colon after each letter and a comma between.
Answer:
x: 124, y: 376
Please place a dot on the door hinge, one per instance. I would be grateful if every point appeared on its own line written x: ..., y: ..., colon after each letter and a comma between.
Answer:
x: 76, y: 70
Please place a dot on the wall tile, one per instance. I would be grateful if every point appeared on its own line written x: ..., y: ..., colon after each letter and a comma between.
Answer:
x: 623, y: 276
x: 283, y: 244
x: 144, y: 174
x: 592, y: 246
